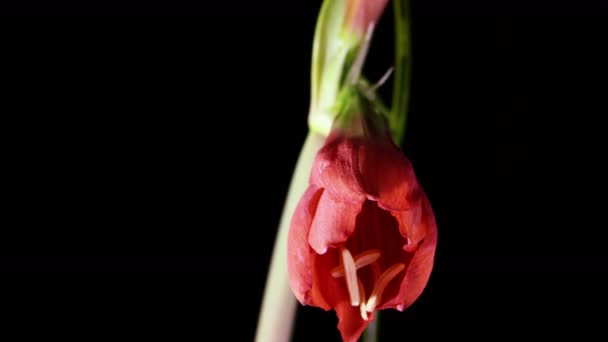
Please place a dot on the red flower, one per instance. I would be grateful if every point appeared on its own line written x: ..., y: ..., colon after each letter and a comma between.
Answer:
x: 363, y: 235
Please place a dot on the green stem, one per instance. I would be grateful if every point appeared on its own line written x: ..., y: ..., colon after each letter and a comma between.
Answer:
x: 403, y: 62
x: 279, y: 304
x: 371, y: 332
x: 329, y: 53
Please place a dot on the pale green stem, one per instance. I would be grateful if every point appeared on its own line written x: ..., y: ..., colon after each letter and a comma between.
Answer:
x: 371, y: 332
x: 279, y: 304
x: 403, y: 62
x: 329, y: 53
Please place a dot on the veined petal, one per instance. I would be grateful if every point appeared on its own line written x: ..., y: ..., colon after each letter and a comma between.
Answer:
x: 326, y: 291
x: 419, y: 269
x: 333, y: 223
x: 413, y: 223
x: 299, y: 258
x: 335, y: 169
x: 386, y: 175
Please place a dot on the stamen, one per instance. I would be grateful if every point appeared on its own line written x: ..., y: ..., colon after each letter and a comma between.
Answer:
x: 361, y: 260
x: 383, y: 79
x: 351, y: 276
x: 381, y: 284
x: 362, y: 305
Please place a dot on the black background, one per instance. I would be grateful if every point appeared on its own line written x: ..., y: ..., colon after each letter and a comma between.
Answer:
x: 147, y: 158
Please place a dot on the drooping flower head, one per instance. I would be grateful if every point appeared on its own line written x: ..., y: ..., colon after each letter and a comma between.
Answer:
x: 363, y: 235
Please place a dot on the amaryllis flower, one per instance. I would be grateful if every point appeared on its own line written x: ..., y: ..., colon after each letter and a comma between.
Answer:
x: 363, y: 235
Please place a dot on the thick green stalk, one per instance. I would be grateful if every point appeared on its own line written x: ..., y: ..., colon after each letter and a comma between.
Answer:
x: 403, y: 62
x: 279, y: 304
x: 329, y: 53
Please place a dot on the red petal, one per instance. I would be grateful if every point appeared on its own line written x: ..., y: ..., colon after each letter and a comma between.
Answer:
x: 419, y: 269
x: 350, y: 323
x: 299, y: 259
x: 334, y: 222
x: 335, y: 169
x: 326, y: 291
x: 412, y: 222
x: 386, y: 175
